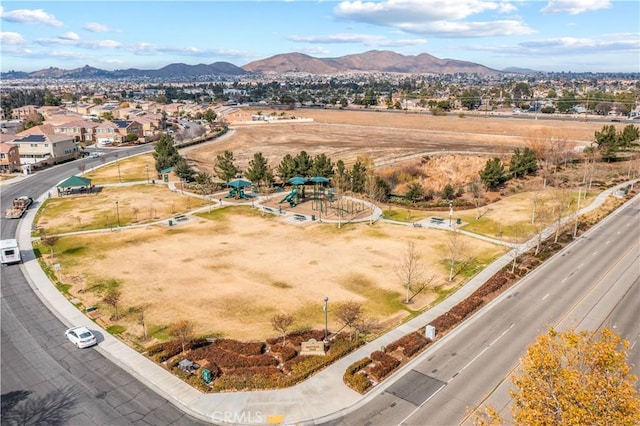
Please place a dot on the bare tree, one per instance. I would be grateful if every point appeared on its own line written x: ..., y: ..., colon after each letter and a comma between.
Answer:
x: 541, y: 221
x: 281, y: 323
x: 410, y: 271
x: 141, y: 312
x: 560, y: 201
x: 371, y: 188
x: 49, y: 241
x: 112, y: 298
x: 349, y: 315
x: 476, y: 190
x: 518, y: 237
x: 456, y: 248
x: 135, y: 212
x: 181, y: 330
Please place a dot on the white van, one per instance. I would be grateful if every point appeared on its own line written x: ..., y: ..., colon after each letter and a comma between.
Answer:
x: 9, y: 252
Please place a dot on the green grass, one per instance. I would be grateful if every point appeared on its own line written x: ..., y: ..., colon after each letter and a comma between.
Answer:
x: 404, y: 215
x: 116, y: 329
x: 382, y: 302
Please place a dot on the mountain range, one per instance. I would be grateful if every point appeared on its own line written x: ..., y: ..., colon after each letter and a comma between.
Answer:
x: 373, y: 61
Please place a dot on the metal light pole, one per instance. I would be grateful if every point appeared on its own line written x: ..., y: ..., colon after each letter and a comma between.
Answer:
x: 117, y: 214
x: 450, y: 212
x: 146, y: 167
x: 326, y: 320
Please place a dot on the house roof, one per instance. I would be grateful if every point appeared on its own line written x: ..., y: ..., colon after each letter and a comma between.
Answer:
x: 74, y: 181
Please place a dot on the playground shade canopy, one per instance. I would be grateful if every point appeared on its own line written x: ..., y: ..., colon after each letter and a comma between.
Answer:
x: 239, y: 183
x: 297, y: 180
x: 74, y: 181
x: 319, y: 179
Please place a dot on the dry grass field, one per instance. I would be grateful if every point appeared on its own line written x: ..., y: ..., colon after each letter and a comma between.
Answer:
x: 231, y: 269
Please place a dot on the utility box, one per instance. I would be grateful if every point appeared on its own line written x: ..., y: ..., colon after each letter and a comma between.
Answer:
x: 430, y: 332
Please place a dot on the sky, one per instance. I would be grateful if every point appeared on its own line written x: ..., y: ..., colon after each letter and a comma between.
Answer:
x: 545, y: 35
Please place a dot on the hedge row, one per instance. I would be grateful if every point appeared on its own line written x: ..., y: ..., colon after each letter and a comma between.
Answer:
x: 356, y: 380
x: 383, y: 365
x: 228, y: 359
x: 410, y: 343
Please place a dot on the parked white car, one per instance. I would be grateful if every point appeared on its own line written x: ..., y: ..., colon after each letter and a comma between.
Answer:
x: 82, y: 337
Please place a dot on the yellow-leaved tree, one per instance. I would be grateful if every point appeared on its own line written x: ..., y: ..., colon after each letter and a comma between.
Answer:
x: 573, y: 378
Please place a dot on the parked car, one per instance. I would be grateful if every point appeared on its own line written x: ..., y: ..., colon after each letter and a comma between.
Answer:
x: 82, y: 337
x: 94, y: 155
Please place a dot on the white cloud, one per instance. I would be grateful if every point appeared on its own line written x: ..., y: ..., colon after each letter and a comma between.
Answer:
x: 575, y: 7
x: 365, y: 39
x: 70, y: 36
x: 554, y: 47
x: 314, y: 50
x: 95, y: 27
x: 149, y: 49
x: 30, y: 16
x: 11, y: 38
x: 445, y: 18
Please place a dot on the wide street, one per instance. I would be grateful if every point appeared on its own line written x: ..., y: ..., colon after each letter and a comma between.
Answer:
x: 592, y: 283
x: 59, y: 383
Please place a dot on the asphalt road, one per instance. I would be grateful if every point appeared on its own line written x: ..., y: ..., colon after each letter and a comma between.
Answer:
x: 44, y: 378
x: 592, y: 283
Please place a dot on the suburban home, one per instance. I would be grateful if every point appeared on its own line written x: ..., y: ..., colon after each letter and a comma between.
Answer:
x: 127, y: 127
x: 24, y: 112
x: 107, y: 133
x: 39, y: 147
x: 9, y: 158
x: 81, y: 130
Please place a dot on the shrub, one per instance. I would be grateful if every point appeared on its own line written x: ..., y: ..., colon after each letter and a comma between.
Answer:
x: 410, y: 343
x: 358, y: 382
x: 242, y: 348
x: 357, y: 366
x: 466, y: 307
x: 383, y: 365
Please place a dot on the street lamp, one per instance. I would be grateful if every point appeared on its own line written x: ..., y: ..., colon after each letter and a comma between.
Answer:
x: 146, y: 167
x: 450, y: 212
x: 117, y: 214
x: 326, y: 318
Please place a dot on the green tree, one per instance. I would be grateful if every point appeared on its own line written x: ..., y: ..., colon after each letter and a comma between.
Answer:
x: 286, y: 168
x: 322, y: 166
x: 493, y: 174
x: 523, y: 163
x: 566, y: 102
x: 259, y: 171
x: 448, y: 193
x: 224, y: 166
x: 165, y: 153
x: 209, y: 115
x: 629, y: 135
x: 184, y: 170
x: 303, y: 164
x: 415, y: 191
x: 470, y: 99
x: 608, y: 141
x: 357, y: 176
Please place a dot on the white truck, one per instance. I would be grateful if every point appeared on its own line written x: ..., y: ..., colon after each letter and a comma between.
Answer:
x: 9, y: 252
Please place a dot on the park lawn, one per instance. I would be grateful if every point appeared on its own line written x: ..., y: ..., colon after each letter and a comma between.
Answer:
x: 128, y: 169
x: 137, y: 204
x: 233, y: 270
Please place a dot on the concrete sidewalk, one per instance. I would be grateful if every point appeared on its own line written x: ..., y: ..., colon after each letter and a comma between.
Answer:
x: 321, y: 398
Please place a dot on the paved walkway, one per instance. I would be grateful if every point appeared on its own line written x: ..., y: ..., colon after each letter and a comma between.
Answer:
x: 321, y: 398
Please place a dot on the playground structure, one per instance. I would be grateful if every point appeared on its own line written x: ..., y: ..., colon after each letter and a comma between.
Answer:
x: 237, y: 189
x: 292, y: 198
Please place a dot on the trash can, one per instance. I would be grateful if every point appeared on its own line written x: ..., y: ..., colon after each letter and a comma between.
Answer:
x: 458, y: 221
x: 313, y: 217
x: 170, y: 222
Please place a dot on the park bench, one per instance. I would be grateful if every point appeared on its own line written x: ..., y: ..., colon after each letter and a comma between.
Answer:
x: 180, y: 218
x: 437, y: 220
x: 299, y: 217
x: 417, y: 225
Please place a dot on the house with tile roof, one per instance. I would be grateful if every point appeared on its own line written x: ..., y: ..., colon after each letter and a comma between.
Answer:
x: 9, y: 158
x: 82, y: 130
x: 39, y: 146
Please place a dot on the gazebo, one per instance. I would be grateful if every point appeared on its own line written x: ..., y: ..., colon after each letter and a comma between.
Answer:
x: 67, y: 185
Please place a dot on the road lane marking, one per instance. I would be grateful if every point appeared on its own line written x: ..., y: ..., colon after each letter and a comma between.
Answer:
x: 421, y: 405
x: 594, y: 253
x: 545, y: 296
x: 580, y: 266
x: 482, y: 351
x: 564, y: 279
